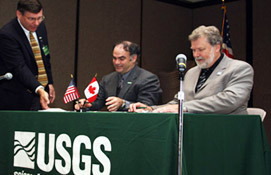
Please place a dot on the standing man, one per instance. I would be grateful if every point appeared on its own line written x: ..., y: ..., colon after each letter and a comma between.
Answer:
x: 128, y: 84
x: 24, y: 52
x: 218, y: 84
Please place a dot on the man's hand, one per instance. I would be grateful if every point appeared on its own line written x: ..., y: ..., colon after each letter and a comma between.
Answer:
x: 44, y: 98
x: 113, y: 103
x: 82, y: 103
x: 52, y: 93
x: 139, y: 107
x: 167, y: 109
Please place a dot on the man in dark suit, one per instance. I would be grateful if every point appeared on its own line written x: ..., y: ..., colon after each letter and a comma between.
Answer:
x: 24, y: 52
x: 128, y: 84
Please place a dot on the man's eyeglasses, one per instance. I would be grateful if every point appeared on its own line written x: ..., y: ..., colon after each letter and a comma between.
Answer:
x: 39, y: 19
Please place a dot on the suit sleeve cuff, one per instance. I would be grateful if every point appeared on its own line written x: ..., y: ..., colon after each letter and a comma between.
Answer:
x: 36, y: 91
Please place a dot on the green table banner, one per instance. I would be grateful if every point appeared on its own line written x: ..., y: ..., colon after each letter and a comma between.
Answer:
x: 103, y: 143
x: 225, y: 145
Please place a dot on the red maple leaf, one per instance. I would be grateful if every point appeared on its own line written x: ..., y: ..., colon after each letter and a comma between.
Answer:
x: 91, y: 89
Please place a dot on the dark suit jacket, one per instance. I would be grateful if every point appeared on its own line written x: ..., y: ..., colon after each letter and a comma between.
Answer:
x: 16, y: 57
x: 139, y: 86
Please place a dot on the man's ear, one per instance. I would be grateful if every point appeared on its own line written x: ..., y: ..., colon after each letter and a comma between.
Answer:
x: 18, y: 14
x: 134, y: 57
x: 218, y: 47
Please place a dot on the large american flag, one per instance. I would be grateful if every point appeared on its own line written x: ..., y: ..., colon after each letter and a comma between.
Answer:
x: 225, y: 33
x: 71, y: 93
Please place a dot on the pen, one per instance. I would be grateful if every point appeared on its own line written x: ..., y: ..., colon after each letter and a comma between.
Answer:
x: 78, y: 102
x: 86, y: 102
x: 141, y: 107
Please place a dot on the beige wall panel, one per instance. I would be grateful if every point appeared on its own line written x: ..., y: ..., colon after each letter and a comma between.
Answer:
x: 236, y: 12
x: 164, y: 35
x: 102, y: 23
x: 262, y: 60
x: 7, y: 11
x: 165, y: 31
x: 61, y: 22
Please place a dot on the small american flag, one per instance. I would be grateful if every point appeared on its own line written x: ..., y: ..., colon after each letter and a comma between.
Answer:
x: 71, y: 93
x: 225, y: 33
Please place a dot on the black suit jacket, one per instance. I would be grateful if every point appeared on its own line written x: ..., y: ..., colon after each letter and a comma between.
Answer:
x: 16, y: 57
x: 140, y: 86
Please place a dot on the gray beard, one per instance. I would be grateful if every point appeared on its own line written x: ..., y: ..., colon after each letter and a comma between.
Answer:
x: 206, y: 63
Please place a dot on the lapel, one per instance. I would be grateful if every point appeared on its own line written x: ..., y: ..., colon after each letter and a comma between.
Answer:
x: 218, y: 71
x: 40, y: 40
x: 24, y: 38
x: 111, y: 88
x: 130, y: 80
x: 194, y: 79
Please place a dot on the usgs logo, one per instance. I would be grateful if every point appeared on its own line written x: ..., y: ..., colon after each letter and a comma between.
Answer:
x: 26, y: 152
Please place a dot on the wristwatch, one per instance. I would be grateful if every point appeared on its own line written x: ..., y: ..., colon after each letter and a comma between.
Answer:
x: 123, y: 103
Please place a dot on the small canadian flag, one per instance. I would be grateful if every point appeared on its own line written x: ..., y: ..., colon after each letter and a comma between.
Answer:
x: 92, y: 90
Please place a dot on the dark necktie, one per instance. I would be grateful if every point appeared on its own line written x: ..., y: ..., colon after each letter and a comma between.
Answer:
x: 120, y: 85
x: 202, y: 79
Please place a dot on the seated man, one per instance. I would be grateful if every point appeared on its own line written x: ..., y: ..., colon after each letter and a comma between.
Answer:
x: 128, y: 84
x: 218, y: 84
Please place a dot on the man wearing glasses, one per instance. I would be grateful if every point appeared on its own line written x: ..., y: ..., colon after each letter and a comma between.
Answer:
x: 24, y: 52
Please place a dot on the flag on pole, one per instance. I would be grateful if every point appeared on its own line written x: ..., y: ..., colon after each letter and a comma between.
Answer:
x: 71, y: 93
x: 92, y: 90
x: 225, y: 33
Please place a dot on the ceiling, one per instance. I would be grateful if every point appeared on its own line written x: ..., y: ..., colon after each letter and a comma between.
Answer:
x: 194, y: 3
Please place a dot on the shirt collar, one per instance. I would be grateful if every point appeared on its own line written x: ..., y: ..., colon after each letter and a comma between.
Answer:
x: 124, y: 76
x: 215, y: 64
x: 27, y: 31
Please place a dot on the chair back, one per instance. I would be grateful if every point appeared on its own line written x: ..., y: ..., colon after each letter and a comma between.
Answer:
x: 257, y: 111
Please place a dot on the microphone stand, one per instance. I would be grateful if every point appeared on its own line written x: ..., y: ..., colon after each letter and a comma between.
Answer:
x: 180, y: 122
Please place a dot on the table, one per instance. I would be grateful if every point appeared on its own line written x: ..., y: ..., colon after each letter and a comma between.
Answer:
x: 225, y: 145
x: 131, y: 143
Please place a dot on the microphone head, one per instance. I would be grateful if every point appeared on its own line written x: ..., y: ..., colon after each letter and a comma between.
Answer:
x: 8, y: 76
x: 180, y: 57
x: 181, y: 62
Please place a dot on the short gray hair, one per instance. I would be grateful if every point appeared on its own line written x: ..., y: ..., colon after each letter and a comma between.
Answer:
x: 210, y: 32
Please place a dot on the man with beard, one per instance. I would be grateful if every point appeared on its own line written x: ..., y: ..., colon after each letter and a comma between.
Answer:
x: 218, y: 84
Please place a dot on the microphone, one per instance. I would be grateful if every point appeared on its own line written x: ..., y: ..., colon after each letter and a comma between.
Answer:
x: 181, y: 62
x: 7, y: 76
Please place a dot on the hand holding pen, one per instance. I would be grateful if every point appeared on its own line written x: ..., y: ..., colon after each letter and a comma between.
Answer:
x: 81, y: 104
x: 139, y: 107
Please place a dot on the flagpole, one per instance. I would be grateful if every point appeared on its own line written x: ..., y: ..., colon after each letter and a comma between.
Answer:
x: 77, y: 100
x: 223, y: 23
x: 225, y: 33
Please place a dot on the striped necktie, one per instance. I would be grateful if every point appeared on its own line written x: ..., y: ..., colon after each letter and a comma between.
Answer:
x: 202, y: 78
x: 42, y: 76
